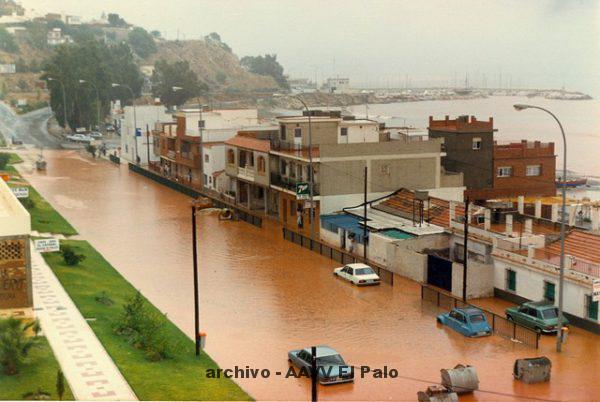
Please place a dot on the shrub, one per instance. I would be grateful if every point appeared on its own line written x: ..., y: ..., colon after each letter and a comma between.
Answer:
x: 4, y: 159
x: 143, y: 328
x: 39, y: 395
x: 91, y: 149
x: 28, y: 203
x: 103, y: 298
x: 14, y: 344
x: 60, y: 384
x: 70, y: 257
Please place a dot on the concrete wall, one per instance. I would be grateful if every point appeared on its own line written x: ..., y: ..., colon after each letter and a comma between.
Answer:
x: 530, y: 285
x: 358, y: 133
x: 405, y: 257
x: 322, y: 132
x: 145, y: 115
x: 14, y: 218
x: 216, y: 162
x: 480, y: 279
x: 335, y: 203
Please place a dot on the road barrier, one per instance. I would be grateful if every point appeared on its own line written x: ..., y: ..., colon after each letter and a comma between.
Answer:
x: 500, y: 325
x: 241, y: 214
x: 336, y: 254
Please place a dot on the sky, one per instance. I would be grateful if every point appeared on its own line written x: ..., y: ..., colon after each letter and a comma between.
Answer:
x: 388, y: 43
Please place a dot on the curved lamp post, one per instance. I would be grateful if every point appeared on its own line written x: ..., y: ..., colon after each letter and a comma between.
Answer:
x: 64, y: 100
x: 520, y: 107
x: 97, y: 97
x: 115, y: 85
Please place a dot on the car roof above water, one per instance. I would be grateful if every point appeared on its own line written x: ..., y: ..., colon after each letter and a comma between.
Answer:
x: 542, y: 304
x: 357, y: 265
x: 323, y: 351
x: 469, y: 310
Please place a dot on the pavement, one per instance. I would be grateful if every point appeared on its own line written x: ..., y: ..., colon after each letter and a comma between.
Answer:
x: 89, y: 370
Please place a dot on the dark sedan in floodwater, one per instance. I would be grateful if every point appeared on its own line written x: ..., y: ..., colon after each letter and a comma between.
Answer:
x: 331, y: 367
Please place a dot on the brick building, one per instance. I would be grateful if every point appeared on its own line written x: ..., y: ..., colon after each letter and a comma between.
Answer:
x: 469, y: 147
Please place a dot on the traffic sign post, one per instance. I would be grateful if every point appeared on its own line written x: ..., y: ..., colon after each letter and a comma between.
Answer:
x: 20, y: 192
x: 302, y: 191
x: 47, y: 245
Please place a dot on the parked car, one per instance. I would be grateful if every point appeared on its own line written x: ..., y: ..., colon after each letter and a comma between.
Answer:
x: 331, y: 367
x: 359, y: 274
x: 541, y: 316
x: 95, y: 134
x: 469, y: 321
x: 79, y: 138
x: 109, y: 127
x: 16, y: 141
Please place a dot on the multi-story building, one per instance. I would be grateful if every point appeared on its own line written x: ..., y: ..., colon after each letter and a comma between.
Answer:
x: 247, y: 164
x: 341, y: 149
x: 141, y: 145
x: 469, y: 148
x: 55, y: 37
x: 337, y: 85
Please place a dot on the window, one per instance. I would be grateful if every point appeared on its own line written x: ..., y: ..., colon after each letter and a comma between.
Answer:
x: 206, y: 158
x: 201, y: 124
x: 511, y: 280
x: 533, y: 170
x: 250, y: 159
x: 549, y: 291
x: 230, y: 156
x: 505, y: 171
x: 283, y: 167
x: 477, y: 143
x: 591, y: 308
x: 298, y: 132
x: 282, y: 131
x: 344, y: 131
x: 205, y: 179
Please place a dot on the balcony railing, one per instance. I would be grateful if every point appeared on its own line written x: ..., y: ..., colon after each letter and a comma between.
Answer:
x: 246, y: 172
x: 290, y: 183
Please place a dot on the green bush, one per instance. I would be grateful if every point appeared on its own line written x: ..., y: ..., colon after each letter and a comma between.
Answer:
x: 28, y: 203
x: 143, y: 328
x: 70, y: 257
x: 91, y: 149
x: 14, y: 344
x: 4, y: 159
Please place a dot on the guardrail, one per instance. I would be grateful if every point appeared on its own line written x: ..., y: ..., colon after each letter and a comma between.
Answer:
x: 336, y: 254
x: 241, y: 214
x: 500, y: 325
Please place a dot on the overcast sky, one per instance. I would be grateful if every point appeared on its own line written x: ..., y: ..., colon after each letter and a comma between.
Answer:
x: 385, y: 43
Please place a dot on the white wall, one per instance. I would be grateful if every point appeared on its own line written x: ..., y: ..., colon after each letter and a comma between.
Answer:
x: 530, y: 285
x: 480, y: 279
x: 335, y: 203
x: 448, y: 193
x: 14, y: 218
x: 219, y: 120
x: 216, y: 162
x: 358, y: 133
x: 145, y: 115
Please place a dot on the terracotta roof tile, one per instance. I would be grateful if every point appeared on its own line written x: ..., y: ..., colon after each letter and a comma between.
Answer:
x: 579, y: 244
x: 249, y: 143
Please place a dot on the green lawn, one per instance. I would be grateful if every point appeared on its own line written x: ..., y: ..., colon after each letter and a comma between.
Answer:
x: 44, y: 218
x: 39, y: 371
x: 180, y: 377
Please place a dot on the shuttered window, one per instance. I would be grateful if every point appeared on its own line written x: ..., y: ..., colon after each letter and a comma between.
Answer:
x: 591, y: 307
x: 549, y: 291
x: 511, y: 280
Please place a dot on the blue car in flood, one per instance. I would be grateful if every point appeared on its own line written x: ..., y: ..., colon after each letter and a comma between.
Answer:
x: 469, y: 321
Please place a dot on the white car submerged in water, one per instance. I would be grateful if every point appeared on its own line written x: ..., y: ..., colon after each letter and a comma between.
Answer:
x: 359, y: 274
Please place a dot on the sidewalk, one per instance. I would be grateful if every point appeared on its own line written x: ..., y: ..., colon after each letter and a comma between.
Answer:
x: 91, y: 373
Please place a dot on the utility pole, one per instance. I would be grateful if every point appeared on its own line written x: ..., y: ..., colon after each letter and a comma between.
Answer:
x: 314, y: 374
x: 196, y: 301
x: 465, y: 251
x: 365, y: 220
x: 148, y: 143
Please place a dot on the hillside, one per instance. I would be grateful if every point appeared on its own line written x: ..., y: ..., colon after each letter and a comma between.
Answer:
x: 214, y: 64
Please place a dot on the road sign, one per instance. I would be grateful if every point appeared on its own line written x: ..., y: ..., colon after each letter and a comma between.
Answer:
x: 302, y: 191
x: 47, y: 245
x: 138, y: 132
x: 596, y: 290
x: 20, y: 192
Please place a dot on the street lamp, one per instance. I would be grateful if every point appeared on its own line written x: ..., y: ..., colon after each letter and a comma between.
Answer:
x: 64, y: 100
x: 519, y: 107
x: 197, y: 204
x: 115, y: 85
x: 97, y: 97
x: 310, y: 170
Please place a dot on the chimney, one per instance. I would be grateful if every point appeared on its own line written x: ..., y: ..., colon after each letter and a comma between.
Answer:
x: 447, y: 118
x: 521, y: 204
x: 509, y: 225
x: 538, y: 208
x: 487, y: 219
x: 554, y: 214
x: 529, y: 226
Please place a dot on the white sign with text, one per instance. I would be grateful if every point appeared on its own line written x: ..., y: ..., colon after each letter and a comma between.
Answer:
x: 20, y: 192
x: 47, y: 245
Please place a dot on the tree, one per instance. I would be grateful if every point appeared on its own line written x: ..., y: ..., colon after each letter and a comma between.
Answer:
x: 266, y: 65
x: 114, y: 20
x: 7, y: 41
x: 216, y: 38
x: 141, y: 42
x: 99, y: 65
x: 166, y: 76
x: 14, y: 344
x: 156, y: 34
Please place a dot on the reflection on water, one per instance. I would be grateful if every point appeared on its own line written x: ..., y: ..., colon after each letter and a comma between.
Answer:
x: 262, y: 296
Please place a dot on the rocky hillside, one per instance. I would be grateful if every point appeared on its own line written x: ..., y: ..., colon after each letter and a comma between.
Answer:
x: 214, y: 63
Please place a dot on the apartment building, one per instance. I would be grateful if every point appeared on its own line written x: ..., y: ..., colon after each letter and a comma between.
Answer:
x: 195, y: 136
x: 141, y: 145
x: 341, y: 148
x: 247, y: 164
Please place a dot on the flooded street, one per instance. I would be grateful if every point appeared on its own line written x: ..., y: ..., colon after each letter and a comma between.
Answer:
x: 262, y: 296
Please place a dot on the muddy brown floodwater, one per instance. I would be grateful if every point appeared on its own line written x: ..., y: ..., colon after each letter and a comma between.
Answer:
x: 262, y: 296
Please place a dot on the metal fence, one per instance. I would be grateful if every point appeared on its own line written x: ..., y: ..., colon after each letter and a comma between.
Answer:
x: 241, y: 214
x: 500, y: 325
x: 333, y: 253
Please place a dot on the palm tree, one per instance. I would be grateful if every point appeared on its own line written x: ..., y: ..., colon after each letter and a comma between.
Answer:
x: 14, y: 344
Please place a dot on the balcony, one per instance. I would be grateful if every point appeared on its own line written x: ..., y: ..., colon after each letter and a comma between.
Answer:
x: 246, y: 173
x: 289, y: 184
